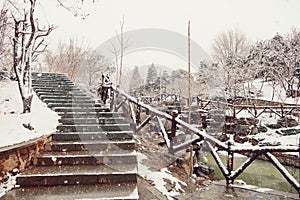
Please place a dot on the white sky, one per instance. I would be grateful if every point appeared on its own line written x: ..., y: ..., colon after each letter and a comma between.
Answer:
x: 258, y: 19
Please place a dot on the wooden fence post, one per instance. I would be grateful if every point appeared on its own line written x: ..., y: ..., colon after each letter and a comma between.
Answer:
x: 255, y: 111
x: 112, y: 98
x: 173, y: 127
x: 229, y: 164
x: 234, y: 114
x: 138, y: 115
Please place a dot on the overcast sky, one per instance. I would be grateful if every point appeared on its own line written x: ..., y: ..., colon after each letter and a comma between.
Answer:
x: 258, y: 19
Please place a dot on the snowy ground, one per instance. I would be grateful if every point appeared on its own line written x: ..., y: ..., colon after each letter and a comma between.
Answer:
x: 279, y: 93
x: 160, y: 178
x: 42, y: 119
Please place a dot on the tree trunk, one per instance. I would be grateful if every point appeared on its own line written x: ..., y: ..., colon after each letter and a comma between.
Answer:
x: 27, y: 104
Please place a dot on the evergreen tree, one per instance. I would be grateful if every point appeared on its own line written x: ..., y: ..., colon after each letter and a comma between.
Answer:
x: 135, y: 81
x: 151, y: 75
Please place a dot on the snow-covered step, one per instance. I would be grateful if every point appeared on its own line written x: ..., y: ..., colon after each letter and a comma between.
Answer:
x: 42, y: 74
x: 81, y: 136
x: 79, y: 109
x: 62, y: 91
x: 68, y: 99
x: 83, y: 114
x: 61, y: 95
x: 124, y: 126
x: 52, y: 81
x: 118, y: 191
x: 73, y: 121
x: 93, y: 127
x: 84, y: 158
x: 53, y: 87
x: 78, y: 104
x: 52, y: 84
x: 91, y: 145
x: 78, y: 174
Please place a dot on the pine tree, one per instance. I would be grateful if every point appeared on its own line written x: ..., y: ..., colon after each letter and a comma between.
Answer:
x: 136, y: 80
x: 151, y: 75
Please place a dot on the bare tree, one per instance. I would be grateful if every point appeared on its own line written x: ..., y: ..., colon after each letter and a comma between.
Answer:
x: 229, y: 44
x: 92, y: 67
x: 118, y: 49
x: 28, y: 43
x: 77, y: 7
x: 6, y: 31
x: 229, y: 51
x: 79, y: 62
x: 67, y: 59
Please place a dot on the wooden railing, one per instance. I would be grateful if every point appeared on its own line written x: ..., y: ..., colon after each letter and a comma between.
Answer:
x: 135, y: 106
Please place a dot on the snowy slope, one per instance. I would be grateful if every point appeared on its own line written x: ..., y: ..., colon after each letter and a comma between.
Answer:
x: 42, y: 119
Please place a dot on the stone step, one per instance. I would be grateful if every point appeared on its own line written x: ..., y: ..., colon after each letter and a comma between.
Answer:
x: 118, y: 191
x: 39, y: 74
x: 91, y: 145
x: 83, y: 158
x: 79, y: 104
x: 80, y: 110
x: 57, y: 90
x: 53, y: 89
x: 93, y: 127
x: 52, y: 81
x: 52, y: 86
x: 72, y: 121
x: 82, y: 136
x: 68, y: 100
x: 78, y: 174
x: 56, y: 95
x: 83, y: 114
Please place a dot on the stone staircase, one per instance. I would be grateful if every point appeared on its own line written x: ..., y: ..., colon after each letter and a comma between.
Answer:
x: 92, y: 154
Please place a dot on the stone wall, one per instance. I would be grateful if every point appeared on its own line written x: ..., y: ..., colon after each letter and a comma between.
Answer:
x: 18, y: 157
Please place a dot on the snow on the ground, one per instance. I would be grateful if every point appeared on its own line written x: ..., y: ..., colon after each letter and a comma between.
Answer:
x: 41, y: 118
x: 279, y: 94
x: 158, y: 178
x: 243, y: 184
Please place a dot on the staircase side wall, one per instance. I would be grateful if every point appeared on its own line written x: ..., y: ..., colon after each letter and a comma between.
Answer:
x: 20, y: 156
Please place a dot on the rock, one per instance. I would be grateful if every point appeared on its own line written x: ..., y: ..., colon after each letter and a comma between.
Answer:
x: 273, y: 126
x: 240, y: 139
x: 287, y: 122
x: 254, y: 130
x: 200, y: 180
x: 254, y: 141
x: 28, y: 126
x: 204, y: 170
x: 15, y: 171
x: 223, y: 138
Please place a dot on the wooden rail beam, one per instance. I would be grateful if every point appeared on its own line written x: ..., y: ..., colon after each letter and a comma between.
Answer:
x: 283, y: 171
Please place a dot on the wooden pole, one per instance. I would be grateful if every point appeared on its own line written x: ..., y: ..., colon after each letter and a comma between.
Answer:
x: 189, y: 73
x: 189, y: 93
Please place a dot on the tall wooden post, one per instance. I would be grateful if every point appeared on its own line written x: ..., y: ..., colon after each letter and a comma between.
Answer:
x: 189, y: 100
x: 189, y: 73
x: 173, y: 126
